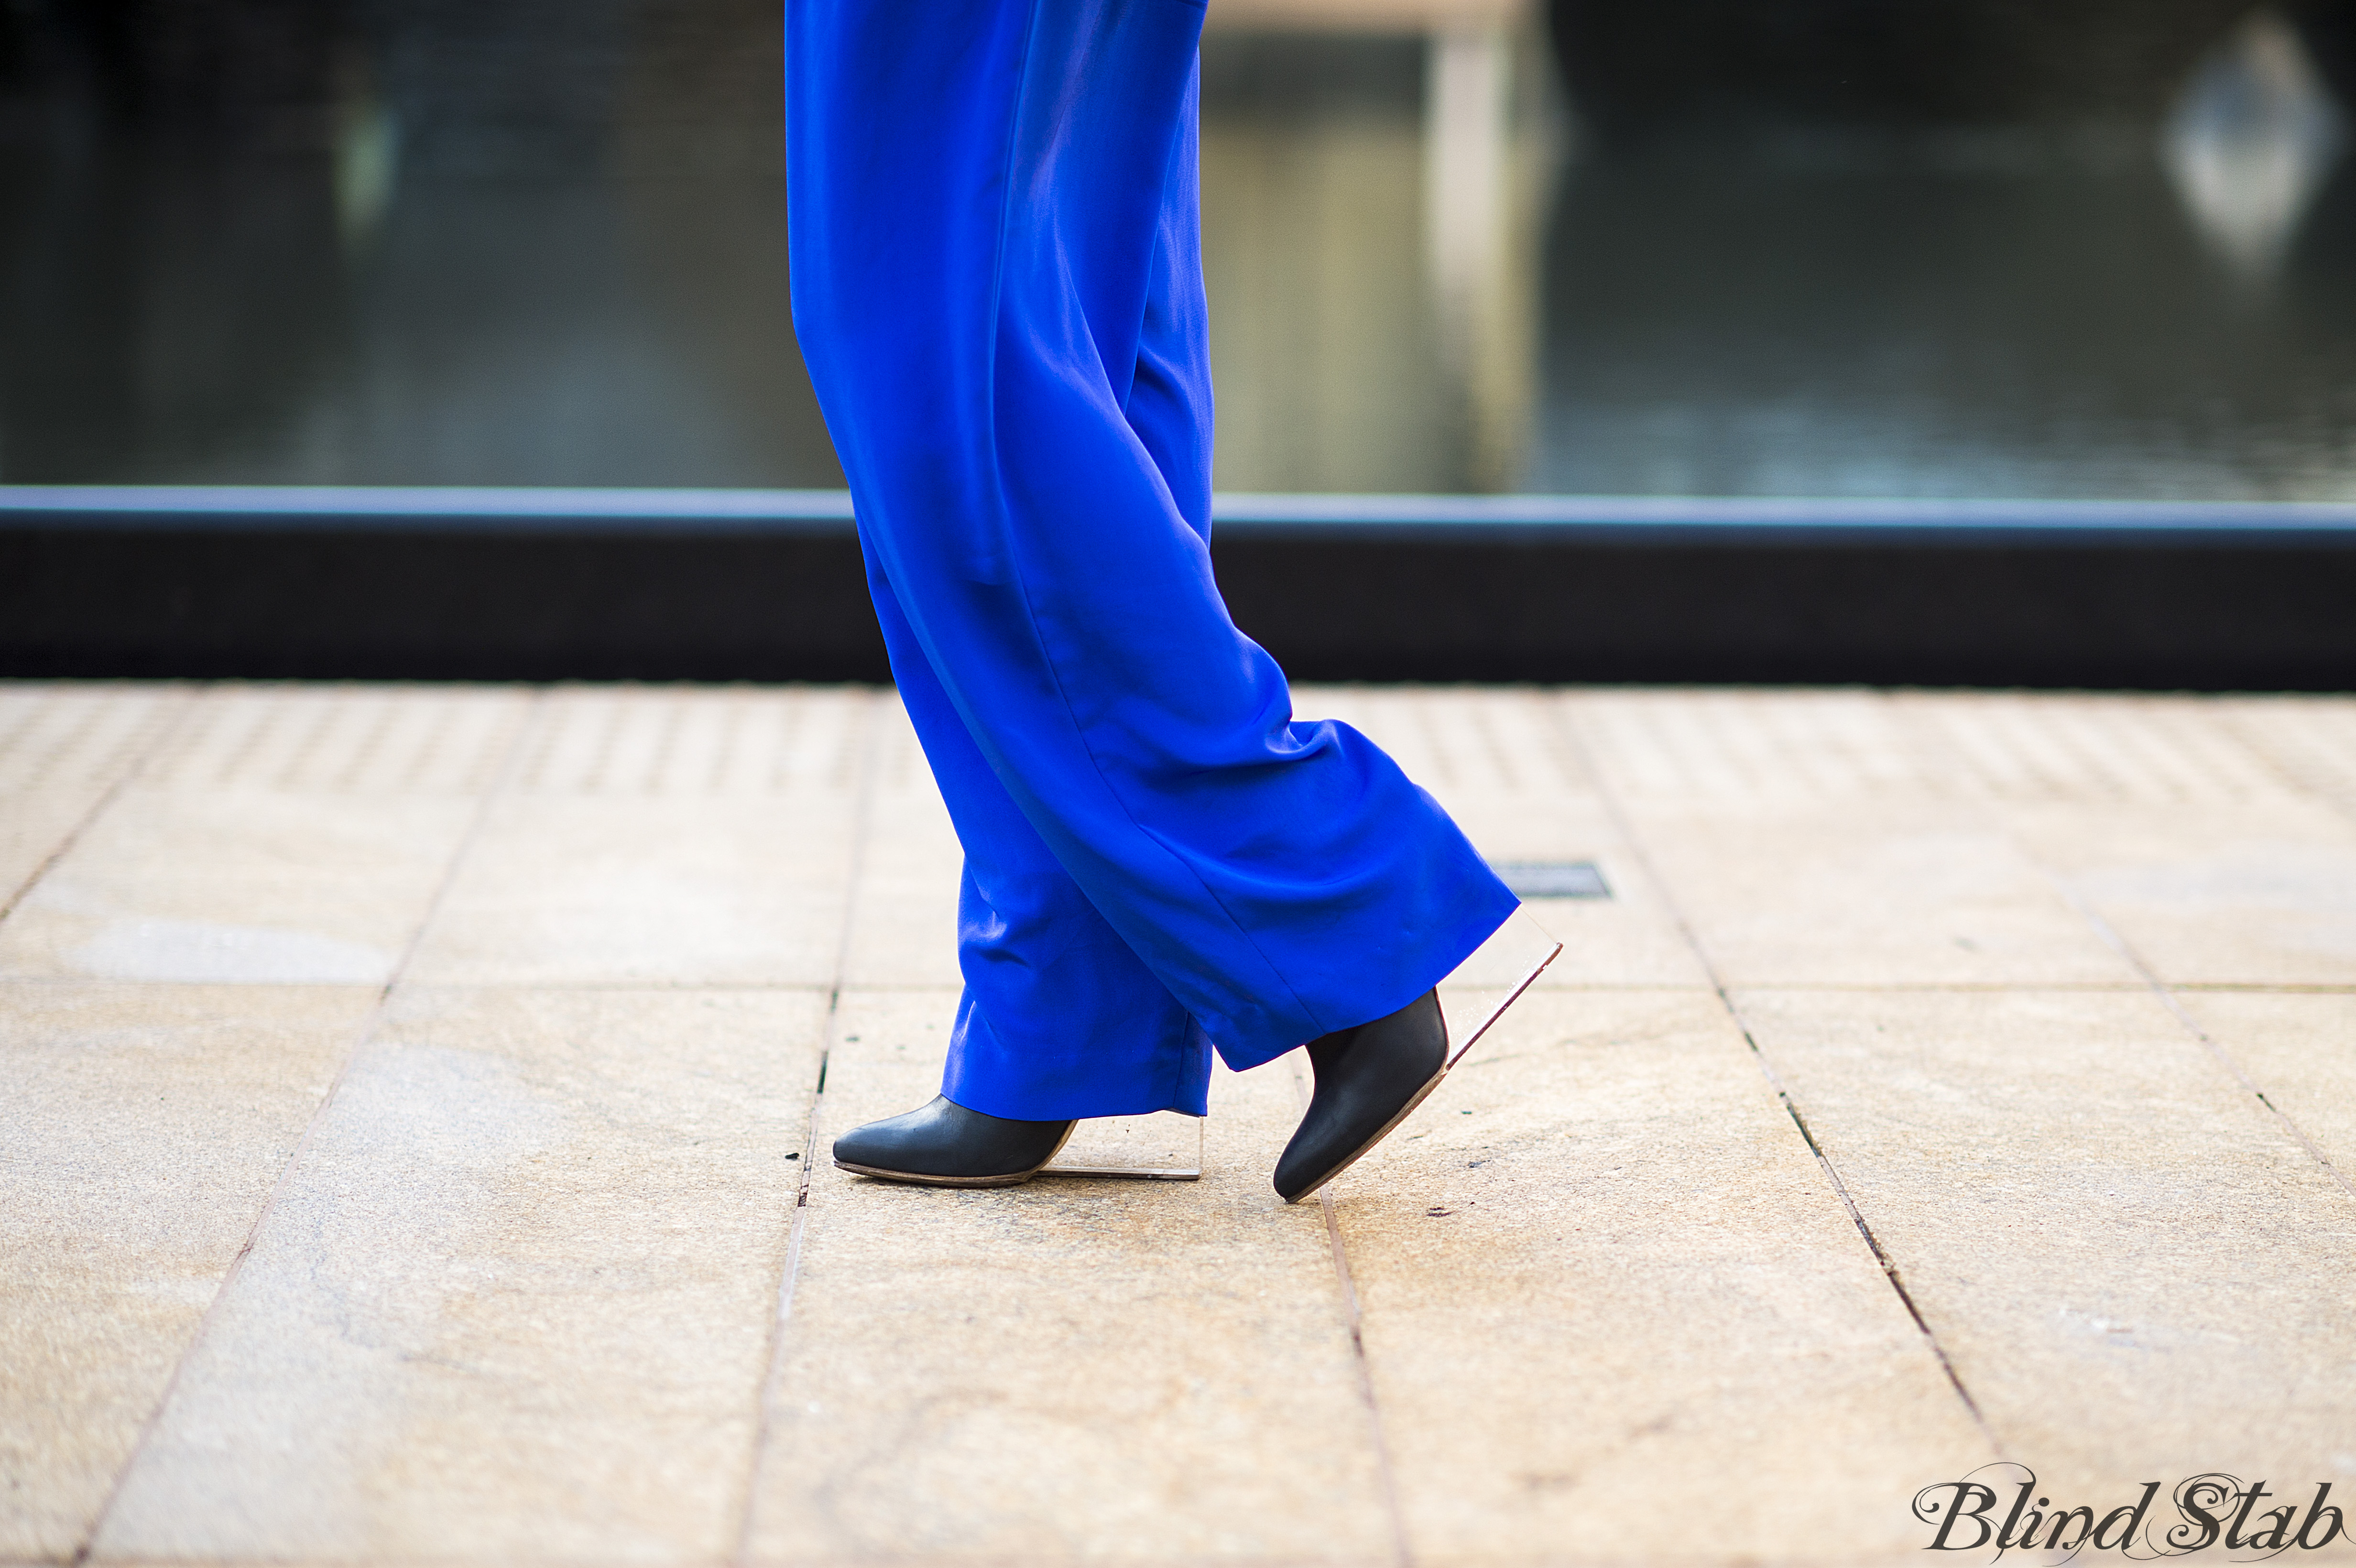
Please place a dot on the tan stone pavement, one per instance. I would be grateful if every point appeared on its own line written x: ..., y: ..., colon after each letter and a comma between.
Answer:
x: 409, y: 1099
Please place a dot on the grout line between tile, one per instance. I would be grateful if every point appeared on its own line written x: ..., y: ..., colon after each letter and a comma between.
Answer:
x: 1402, y: 1554
x: 185, y: 701
x: 862, y: 822
x: 2167, y: 996
x: 1626, y: 828
x: 360, y: 1037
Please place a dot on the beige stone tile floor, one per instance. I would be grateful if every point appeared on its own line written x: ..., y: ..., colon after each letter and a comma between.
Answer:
x: 414, y: 1103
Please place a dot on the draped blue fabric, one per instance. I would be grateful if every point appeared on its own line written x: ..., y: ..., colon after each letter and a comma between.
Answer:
x: 997, y: 283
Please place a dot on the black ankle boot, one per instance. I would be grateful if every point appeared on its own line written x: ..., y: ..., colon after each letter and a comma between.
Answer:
x: 1368, y: 1079
x: 945, y: 1144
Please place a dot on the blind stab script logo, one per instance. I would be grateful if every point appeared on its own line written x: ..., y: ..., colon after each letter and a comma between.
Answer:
x: 1999, y: 1508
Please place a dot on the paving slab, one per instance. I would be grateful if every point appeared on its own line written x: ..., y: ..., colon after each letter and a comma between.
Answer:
x: 2299, y: 1049
x: 2088, y: 749
x: 1629, y: 939
x: 905, y: 930
x: 141, y: 1132
x: 577, y: 892
x: 2310, y: 741
x: 34, y: 828
x: 277, y: 835
x: 663, y: 837
x: 1502, y: 764
x: 71, y: 734
x: 2137, y: 1272
x: 1466, y: 740
x: 275, y: 890
x: 2216, y: 862
x: 514, y: 1302
x: 1869, y: 894
x: 1072, y: 1370
x: 334, y: 739
x: 1808, y: 841
x: 62, y: 748
x: 1616, y: 1313
x: 2212, y: 895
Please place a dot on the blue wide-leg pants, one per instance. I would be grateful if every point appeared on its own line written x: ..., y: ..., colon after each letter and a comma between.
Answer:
x: 997, y: 284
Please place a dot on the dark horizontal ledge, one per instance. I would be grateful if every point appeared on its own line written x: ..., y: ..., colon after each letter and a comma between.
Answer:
x: 1537, y: 520
x: 768, y: 585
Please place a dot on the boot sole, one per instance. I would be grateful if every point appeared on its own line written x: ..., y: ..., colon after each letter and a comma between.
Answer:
x: 1424, y: 1093
x: 915, y: 1178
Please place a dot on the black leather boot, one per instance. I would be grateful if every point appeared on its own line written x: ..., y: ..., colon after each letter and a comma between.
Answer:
x: 1368, y: 1079
x: 945, y: 1144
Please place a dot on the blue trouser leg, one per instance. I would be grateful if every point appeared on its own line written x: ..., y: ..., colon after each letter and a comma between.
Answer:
x: 1058, y: 1012
x: 998, y: 292
x: 1059, y: 1017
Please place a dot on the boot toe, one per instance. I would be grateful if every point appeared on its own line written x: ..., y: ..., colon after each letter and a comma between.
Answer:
x: 945, y: 1143
x: 1368, y: 1079
x: 888, y: 1142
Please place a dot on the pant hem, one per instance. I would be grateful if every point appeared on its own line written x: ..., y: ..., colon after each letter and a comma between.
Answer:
x: 1243, y: 1057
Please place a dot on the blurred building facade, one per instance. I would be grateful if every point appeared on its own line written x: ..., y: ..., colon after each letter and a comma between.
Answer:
x: 2076, y: 248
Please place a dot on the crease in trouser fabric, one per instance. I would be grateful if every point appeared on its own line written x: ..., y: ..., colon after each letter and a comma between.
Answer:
x: 998, y: 289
